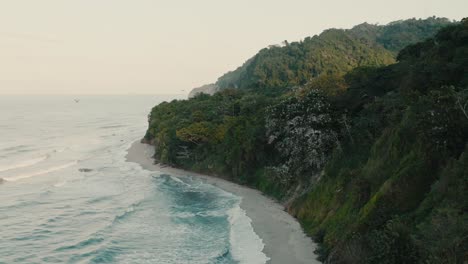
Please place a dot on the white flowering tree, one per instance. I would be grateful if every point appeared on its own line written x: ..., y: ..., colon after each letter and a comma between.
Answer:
x: 304, y: 131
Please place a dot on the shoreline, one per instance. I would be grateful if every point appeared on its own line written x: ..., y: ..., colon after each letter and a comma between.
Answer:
x: 282, y: 235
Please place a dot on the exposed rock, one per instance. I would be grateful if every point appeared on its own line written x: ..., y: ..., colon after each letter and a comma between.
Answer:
x: 147, y: 141
x: 206, y: 89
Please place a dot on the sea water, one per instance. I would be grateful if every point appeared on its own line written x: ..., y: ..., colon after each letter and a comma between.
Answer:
x: 69, y: 196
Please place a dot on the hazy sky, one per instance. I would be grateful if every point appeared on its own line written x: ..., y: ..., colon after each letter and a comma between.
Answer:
x: 155, y: 47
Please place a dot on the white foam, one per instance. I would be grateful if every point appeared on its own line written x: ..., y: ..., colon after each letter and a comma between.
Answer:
x: 178, y: 180
x: 41, y: 172
x: 60, y: 184
x: 22, y: 164
x: 246, y: 246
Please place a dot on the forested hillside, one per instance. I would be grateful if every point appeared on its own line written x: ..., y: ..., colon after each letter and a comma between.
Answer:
x: 395, y: 189
x: 372, y: 160
x: 335, y: 51
x: 399, y: 34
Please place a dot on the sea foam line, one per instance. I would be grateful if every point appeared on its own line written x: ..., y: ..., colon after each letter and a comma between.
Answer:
x: 23, y: 164
x: 246, y: 245
x: 52, y: 169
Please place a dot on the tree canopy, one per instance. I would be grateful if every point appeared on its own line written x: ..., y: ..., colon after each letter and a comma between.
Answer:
x: 370, y: 156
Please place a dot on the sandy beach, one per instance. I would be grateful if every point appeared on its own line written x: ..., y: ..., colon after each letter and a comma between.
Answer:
x: 285, y: 242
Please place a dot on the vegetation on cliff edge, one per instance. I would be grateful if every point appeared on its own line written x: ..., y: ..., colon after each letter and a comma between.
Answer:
x: 373, y: 162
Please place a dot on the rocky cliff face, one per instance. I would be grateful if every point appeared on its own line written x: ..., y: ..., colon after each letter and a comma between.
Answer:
x: 206, y: 89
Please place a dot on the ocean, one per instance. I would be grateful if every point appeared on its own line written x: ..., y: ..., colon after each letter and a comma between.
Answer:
x: 68, y: 195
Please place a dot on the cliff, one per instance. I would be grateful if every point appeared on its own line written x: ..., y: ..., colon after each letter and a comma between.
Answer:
x: 373, y: 162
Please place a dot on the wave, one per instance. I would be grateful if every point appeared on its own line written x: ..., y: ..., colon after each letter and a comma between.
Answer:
x: 60, y: 184
x: 23, y: 164
x: 99, y: 199
x: 204, y: 204
x: 82, y: 244
x: 112, y: 126
x: 246, y: 246
x: 179, y: 181
x: 13, y: 148
x: 128, y: 212
x: 36, y: 173
x: 214, y: 213
x: 223, y: 256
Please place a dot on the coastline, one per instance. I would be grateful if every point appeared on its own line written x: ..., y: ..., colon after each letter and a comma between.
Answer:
x: 284, y: 240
